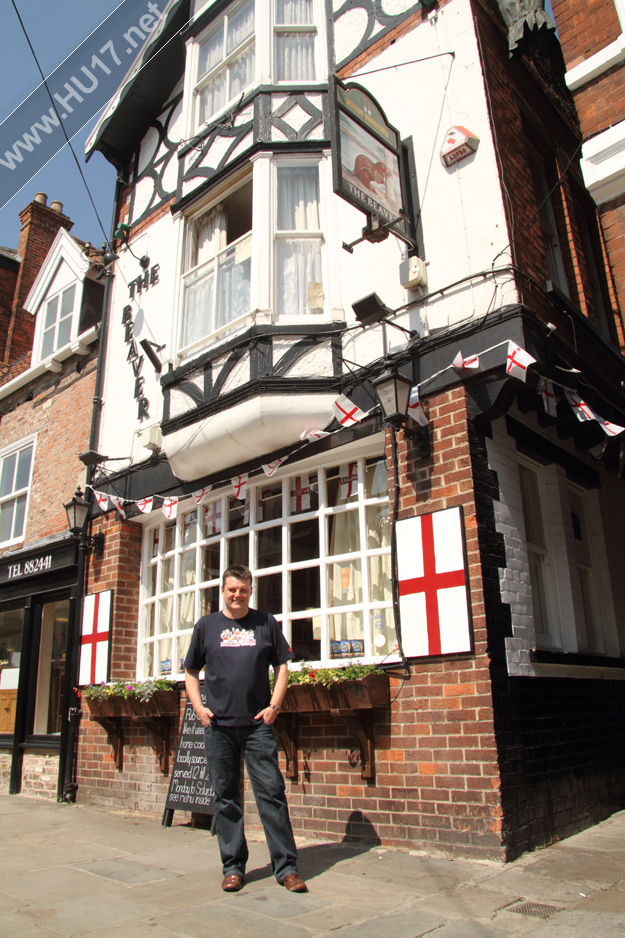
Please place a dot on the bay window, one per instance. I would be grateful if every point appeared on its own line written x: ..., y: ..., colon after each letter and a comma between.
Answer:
x: 299, y: 240
x: 318, y: 545
x: 216, y: 282
x: 226, y: 62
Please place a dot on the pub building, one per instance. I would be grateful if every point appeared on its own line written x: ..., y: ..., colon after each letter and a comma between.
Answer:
x: 381, y: 363
x: 50, y: 307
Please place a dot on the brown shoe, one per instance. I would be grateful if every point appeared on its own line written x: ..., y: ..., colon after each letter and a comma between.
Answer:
x: 294, y: 883
x: 232, y: 882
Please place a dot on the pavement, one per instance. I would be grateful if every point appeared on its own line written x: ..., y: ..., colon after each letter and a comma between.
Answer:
x: 89, y: 871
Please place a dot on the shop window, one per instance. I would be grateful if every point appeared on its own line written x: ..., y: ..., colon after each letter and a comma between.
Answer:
x: 51, y: 669
x: 226, y: 62
x: 539, y: 556
x: 547, y: 220
x: 216, y: 282
x: 11, y: 625
x: 15, y: 478
x: 591, y: 636
x: 295, y: 40
x: 318, y: 545
x: 299, y: 239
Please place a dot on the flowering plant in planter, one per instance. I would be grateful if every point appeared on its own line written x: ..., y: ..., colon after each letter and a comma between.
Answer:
x: 350, y: 671
x: 139, y: 690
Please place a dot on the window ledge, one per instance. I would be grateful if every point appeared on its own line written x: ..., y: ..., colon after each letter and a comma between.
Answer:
x: 582, y: 667
x: 53, y: 363
x: 603, y: 164
x: 597, y: 64
x: 542, y: 656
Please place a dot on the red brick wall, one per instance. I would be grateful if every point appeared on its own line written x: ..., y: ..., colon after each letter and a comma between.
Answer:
x: 8, y: 280
x: 601, y: 103
x: 613, y: 224
x: 60, y: 415
x: 140, y: 785
x: 40, y: 225
x: 585, y: 28
x: 437, y: 779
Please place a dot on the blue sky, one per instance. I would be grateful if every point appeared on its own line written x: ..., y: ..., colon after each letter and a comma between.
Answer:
x: 55, y: 28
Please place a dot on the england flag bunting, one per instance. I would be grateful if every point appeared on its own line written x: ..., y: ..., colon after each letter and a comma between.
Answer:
x: 472, y: 363
x: 611, y: 429
x: 300, y: 493
x: 313, y: 435
x: 518, y: 361
x: 346, y: 411
x: 200, y: 495
x: 95, y: 638
x: 433, y: 595
x: 170, y: 508
x: 271, y: 468
x: 348, y: 476
x: 415, y: 409
x: 239, y: 484
x: 549, y: 397
x: 118, y: 503
x: 580, y: 408
x: 597, y: 452
x: 145, y: 504
x: 102, y: 500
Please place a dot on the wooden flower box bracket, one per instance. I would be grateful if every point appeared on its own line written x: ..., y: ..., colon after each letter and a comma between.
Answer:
x: 352, y: 702
x: 156, y: 713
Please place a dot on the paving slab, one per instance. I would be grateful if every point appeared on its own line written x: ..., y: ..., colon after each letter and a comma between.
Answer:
x: 217, y: 921
x: 533, y: 886
x: 134, y: 930
x: 279, y: 904
x: 46, y: 858
x: 80, y: 916
x: 469, y: 902
x: 337, y: 916
x: 13, y: 924
x: 125, y: 871
x: 578, y: 924
x: 605, y: 900
x: 184, y: 892
x: 411, y: 923
x: 573, y: 866
x: 56, y: 885
x: 467, y: 929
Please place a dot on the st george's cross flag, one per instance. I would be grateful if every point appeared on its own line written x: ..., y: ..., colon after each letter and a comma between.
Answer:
x: 145, y: 504
x: 518, y: 361
x: 271, y: 468
x: 580, y: 408
x: 549, y: 396
x: 433, y: 594
x: 346, y: 411
x: 95, y: 639
x: 170, y: 508
x: 239, y: 484
x: 472, y: 363
x: 415, y: 410
x: 118, y: 503
x: 348, y: 476
x: 102, y: 499
x: 300, y: 493
x: 313, y: 435
x: 200, y: 495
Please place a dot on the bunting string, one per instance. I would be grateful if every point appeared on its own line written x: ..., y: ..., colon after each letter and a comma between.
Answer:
x: 347, y: 414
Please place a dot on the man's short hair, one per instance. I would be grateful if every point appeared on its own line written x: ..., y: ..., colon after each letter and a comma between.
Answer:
x: 238, y: 572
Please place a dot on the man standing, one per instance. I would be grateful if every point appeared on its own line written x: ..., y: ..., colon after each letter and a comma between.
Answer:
x: 236, y: 647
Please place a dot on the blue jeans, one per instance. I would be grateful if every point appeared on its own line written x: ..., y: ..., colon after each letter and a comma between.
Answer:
x: 224, y: 745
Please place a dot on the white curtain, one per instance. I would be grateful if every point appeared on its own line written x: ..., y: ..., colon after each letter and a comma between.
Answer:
x: 299, y: 263
x: 240, y: 26
x: 298, y: 198
x: 241, y: 73
x: 233, y: 297
x: 294, y: 12
x: 211, y: 53
x: 210, y: 233
x: 213, y: 97
x: 295, y: 56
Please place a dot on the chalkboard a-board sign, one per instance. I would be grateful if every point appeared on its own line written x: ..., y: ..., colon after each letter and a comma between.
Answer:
x: 190, y: 787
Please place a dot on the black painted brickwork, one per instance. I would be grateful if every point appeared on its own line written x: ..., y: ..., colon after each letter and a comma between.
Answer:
x: 560, y: 741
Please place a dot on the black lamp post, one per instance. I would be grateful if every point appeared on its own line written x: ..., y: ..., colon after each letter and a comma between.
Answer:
x: 394, y: 395
x: 77, y: 510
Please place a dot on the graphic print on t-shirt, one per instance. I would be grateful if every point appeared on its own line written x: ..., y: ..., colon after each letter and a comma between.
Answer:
x: 237, y: 638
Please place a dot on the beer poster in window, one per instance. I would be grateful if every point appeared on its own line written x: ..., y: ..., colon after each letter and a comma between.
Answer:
x: 366, y: 154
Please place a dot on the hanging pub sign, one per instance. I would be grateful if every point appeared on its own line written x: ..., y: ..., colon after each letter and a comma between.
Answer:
x: 366, y: 155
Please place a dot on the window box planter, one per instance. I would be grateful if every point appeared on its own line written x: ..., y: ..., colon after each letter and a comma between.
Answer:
x: 156, y: 713
x: 351, y: 701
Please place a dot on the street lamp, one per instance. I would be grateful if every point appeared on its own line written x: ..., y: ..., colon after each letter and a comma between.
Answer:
x: 394, y: 395
x: 77, y: 511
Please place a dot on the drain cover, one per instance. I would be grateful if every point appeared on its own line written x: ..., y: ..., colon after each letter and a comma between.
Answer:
x: 536, y: 909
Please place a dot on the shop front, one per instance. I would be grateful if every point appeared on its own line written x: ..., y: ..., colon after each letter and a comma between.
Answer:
x: 37, y: 607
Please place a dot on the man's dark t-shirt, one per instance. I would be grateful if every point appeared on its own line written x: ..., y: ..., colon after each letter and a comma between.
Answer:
x: 236, y: 654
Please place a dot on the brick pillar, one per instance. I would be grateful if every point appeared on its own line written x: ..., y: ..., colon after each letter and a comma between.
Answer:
x: 40, y: 224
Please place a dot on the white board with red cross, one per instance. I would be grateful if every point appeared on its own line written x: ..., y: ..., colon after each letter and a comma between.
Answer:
x: 433, y: 584
x: 95, y: 638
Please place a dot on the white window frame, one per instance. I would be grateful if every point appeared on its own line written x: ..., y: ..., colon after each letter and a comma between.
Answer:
x: 366, y: 606
x: 304, y: 29
x: 553, y: 638
x: 288, y: 161
x: 196, y: 85
x: 4, y: 454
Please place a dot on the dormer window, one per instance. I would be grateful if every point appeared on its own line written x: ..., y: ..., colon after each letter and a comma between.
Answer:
x: 57, y: 327
x: 226, y: 62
